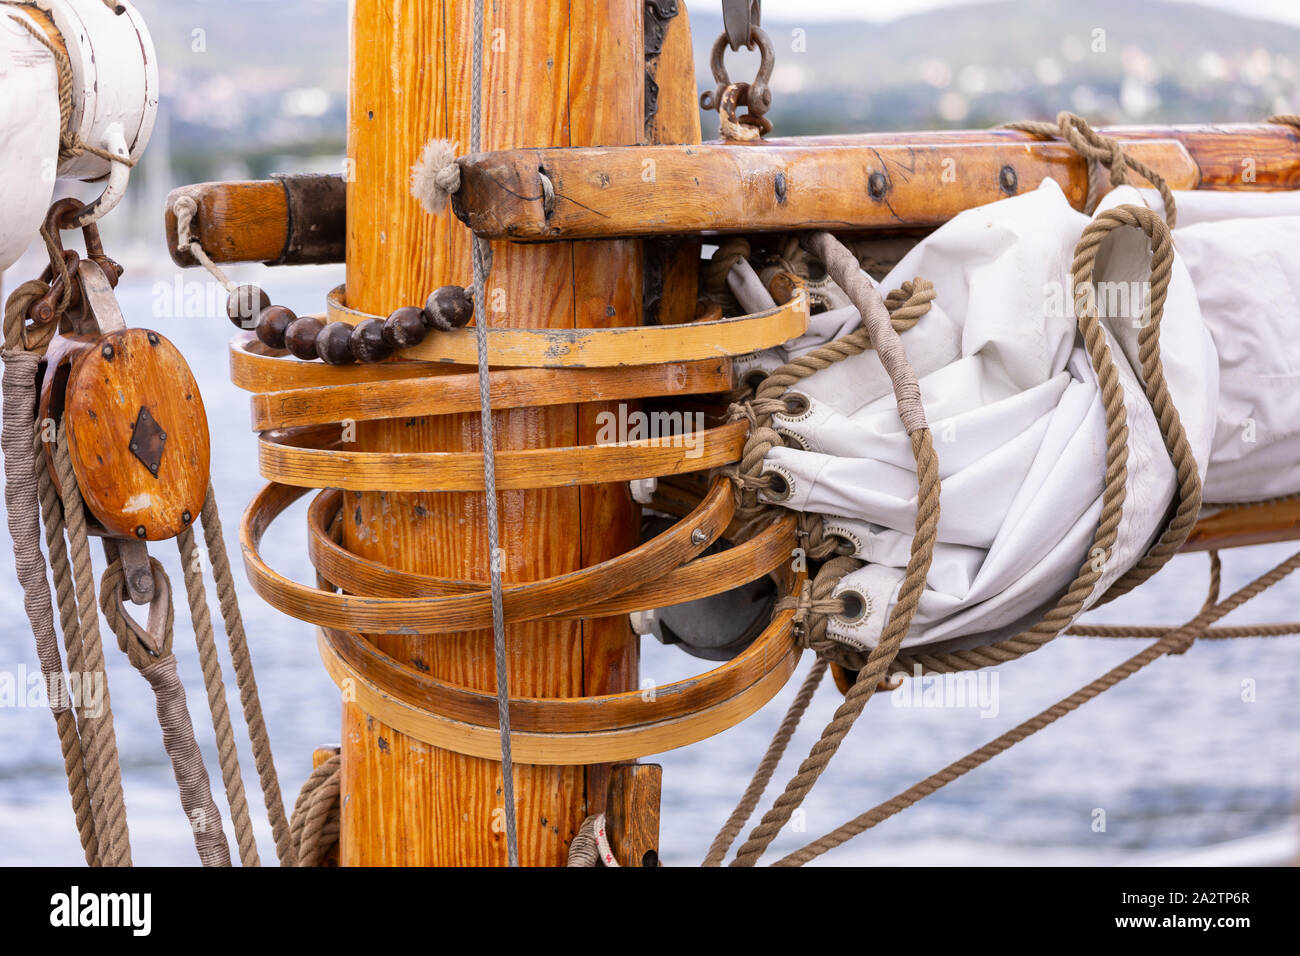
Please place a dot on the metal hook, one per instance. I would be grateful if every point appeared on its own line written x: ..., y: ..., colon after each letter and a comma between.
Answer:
x: 152, y: 636
x: 119, y: 174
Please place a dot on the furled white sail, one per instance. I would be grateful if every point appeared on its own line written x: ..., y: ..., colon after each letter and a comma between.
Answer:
x: 1016, y: 413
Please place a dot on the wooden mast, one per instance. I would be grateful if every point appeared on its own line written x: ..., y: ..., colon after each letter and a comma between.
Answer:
x: 556, y: 73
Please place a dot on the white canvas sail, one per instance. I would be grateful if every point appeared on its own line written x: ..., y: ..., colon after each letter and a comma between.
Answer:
x: 1015, y: 409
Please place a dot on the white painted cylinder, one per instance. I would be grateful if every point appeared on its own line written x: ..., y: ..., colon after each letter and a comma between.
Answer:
x: 29, y: 135
x: 114, y: 106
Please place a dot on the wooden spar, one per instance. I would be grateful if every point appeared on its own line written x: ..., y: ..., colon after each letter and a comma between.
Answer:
x: 843, y: 184
x: 563, y: 74
x: 929, y: 178
x: 289, y: 220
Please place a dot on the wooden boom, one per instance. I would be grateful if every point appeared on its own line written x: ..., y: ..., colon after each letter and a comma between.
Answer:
x: 840, y: 183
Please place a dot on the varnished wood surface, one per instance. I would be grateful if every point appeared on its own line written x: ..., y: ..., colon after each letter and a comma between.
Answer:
x: 256, y: 368
x: 296, y: 457
x: 761, y: 554
x: 713, y: 188
x: 1219, y: 150
x: 459, y: 393
x: 1241, y: 525
x: 676, y: 119
x: 600, y: 345
x: 239, y: 221
x: 448, y: 613
x: 632, y: 813
x: 554, y: 74
x: 922, y: 179
x: 557, y: 748
x: 111, y: 382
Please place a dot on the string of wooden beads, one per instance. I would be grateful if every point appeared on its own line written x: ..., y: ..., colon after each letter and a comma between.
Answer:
x: 337, y: 343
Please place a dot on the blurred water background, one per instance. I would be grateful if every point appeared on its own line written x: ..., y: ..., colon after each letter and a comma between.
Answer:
x: 1196, y: 758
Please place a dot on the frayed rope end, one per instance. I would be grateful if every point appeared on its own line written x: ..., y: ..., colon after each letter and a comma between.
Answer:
x: 436, y: 176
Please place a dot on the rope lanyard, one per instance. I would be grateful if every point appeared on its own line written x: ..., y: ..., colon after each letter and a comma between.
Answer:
x: 482, y: 254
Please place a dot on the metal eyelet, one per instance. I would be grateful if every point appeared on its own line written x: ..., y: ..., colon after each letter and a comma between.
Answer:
x: 796, y: 404
x: 857, y: 607
x: 782, y: 485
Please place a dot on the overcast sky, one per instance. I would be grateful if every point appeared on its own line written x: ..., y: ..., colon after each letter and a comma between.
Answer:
x: 1285, y: 11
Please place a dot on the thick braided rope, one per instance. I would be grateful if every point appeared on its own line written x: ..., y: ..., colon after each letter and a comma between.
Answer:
x: 713, y: 275
x: 590, y: 846
x: 846, y: 273
x: 241, y: 659
x: 23, y: 508
x: 18, y: 335
x: 98, y: 740
x: 817, y: 604
x: 906, y: 305
x: 1153, y: 381
x: 182, y: 748
x: 314, y: 826
x: 65, y: 597
x: 70, y: 142
x: 227, y: 752
x: 874, y: 669
x: 1189, y: 488
x: 767, y: 766
x: 1107, y: 151
x: 1176, y: 641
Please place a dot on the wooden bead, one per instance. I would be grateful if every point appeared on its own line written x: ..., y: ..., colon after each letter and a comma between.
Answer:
x: 449, y: 307
x: 273, y: 323
x: 367, y: 341
x: 300, y: 337
x: 245, y: 305
x: 405, y: 327
x: 334, y: 344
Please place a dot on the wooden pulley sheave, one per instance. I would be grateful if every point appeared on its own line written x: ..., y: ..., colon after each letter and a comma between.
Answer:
x: 136, y: 429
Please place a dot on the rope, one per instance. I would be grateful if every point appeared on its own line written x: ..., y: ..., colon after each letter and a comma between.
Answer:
x: 766, y: 767
x: 19, y: 336
x: 1175, y: 439
x: 173, y: 714
x: 98, y: 740
x: 314, y: 826
x: 227, y: 753
x: 60, y: 569
x: 844, y: 270
x: 905, y: 305
x: 1106, y: 151
x: 186, y: 209
x: 817, y: 602
x: 590, y: 847
x: 1176, y: 641
x: 21, y: 503
x: 258, y: 737
x: 70, y: 142
x: 482, y: 256
x: 436, y: 175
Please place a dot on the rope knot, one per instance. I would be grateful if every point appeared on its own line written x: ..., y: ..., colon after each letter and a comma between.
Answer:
x: 436, y: 175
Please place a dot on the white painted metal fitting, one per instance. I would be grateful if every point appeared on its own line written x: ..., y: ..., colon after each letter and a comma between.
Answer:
x: 114, y: 106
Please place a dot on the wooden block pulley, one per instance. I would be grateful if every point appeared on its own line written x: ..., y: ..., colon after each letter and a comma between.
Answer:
x: 137, y: 435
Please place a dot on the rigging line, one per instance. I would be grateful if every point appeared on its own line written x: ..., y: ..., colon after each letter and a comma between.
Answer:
x: 482, y: 256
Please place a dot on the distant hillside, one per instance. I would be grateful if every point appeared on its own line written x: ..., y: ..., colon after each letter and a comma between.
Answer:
x: 249, y: 84
x: 982, y: 64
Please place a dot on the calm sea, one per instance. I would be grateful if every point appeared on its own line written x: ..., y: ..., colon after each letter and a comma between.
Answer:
x: 1194, y: 752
